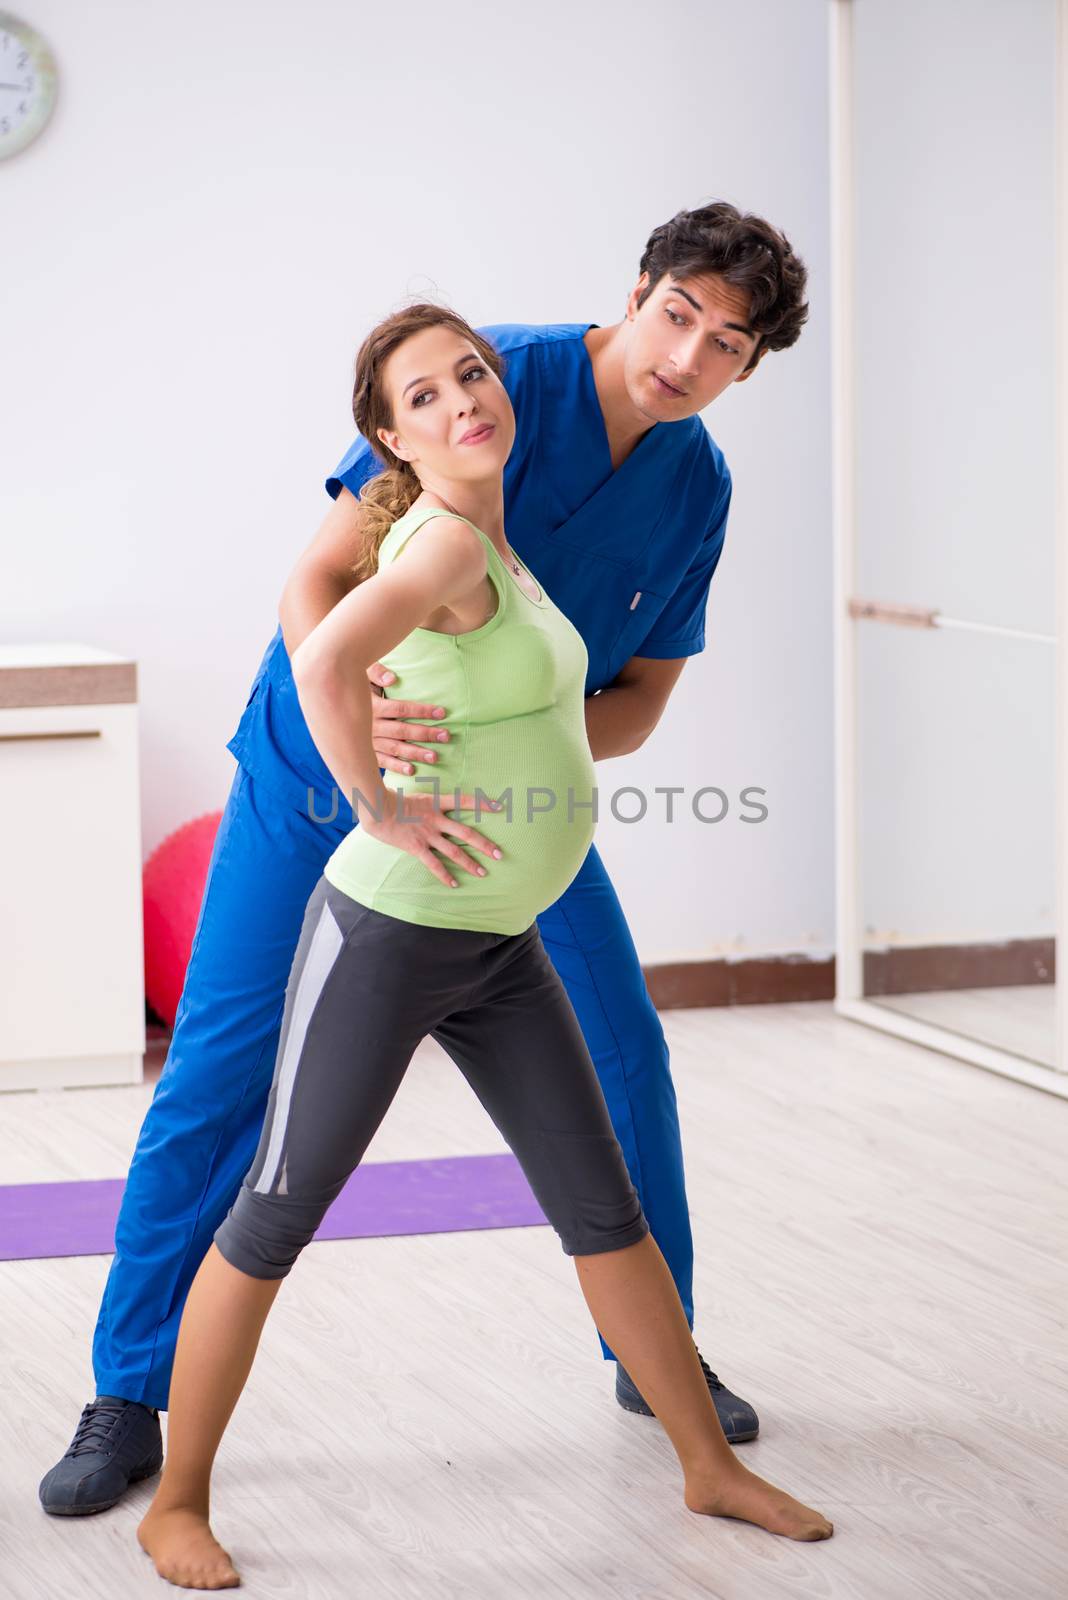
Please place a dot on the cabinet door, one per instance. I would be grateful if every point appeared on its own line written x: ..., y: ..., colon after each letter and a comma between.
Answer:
x: 71, y: 963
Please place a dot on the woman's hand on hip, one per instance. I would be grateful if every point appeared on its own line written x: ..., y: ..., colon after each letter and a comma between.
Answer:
x: 423, y: 823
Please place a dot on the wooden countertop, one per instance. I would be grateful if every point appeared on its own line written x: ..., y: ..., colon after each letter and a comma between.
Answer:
x: 64, y: 674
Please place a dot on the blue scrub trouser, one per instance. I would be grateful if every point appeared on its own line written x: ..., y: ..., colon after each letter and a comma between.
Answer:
x: 202, y: 1129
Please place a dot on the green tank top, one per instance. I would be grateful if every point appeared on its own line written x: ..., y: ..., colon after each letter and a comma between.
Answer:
x: 514, y: 693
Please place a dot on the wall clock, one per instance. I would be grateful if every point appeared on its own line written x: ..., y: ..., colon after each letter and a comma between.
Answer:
x: 27, y: 84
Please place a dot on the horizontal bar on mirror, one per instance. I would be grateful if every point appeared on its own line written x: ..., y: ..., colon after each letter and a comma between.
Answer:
x: 902, y: 616
x: 921, y: 617
x: 73, y: 733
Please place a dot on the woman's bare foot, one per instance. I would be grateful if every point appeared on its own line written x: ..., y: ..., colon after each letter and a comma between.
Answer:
x: 185, y: 1550
x: 742, y: 1494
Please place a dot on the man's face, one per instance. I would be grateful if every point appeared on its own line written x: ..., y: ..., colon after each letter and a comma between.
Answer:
x: 685, y: 344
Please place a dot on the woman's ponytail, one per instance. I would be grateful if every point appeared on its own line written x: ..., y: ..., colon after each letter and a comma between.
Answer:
x: 383, y: 501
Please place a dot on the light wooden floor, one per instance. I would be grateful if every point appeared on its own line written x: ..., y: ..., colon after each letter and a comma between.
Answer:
x: 881, y: 1268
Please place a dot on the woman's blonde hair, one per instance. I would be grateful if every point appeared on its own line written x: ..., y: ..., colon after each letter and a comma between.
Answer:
x: 389, y: 494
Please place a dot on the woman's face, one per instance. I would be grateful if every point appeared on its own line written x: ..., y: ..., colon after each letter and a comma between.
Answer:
x: 452, y: 417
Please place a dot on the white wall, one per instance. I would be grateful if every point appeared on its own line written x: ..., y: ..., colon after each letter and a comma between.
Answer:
x: 226, y: 199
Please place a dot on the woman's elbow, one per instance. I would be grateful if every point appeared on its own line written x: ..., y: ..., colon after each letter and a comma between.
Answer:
x: 315, y: 669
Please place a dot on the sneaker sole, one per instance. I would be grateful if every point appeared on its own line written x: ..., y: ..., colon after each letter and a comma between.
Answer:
x: 105, y: 1505
x: 636, y: 1409
x: 643, y: 1411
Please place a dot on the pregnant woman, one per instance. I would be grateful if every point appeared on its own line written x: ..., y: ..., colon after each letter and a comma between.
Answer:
x: 423, y: 924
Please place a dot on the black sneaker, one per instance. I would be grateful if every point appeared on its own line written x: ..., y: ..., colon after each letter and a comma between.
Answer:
x: 116, y: 1443
x: 737, y: 1417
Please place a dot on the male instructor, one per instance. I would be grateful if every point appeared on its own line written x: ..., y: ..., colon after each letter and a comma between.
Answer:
x: 616, y: 498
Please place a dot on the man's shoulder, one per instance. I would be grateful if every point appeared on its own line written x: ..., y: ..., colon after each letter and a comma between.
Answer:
x: 510, y: 338
x: 709, y: 462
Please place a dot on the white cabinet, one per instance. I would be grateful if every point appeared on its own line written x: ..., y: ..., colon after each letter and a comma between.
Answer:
x: 72, y: 1009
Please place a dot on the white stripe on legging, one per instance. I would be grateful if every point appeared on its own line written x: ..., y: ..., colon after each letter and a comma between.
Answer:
x: 322, y: 953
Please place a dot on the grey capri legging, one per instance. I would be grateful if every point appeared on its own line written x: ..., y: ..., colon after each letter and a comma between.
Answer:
x: 364, y: 989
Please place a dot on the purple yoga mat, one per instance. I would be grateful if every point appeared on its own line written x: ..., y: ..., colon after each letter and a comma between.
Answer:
x: 452, y: 1195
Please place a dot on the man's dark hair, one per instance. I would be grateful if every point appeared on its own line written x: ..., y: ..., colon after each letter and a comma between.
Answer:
x: 744, y: 251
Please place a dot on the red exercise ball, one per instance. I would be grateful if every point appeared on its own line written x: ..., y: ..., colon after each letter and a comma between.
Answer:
x: 173, y: 886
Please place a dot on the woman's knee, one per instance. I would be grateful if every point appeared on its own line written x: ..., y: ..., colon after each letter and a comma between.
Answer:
x: 587, y: 1194
x: 595, y: 1233
x: 263, y: 1234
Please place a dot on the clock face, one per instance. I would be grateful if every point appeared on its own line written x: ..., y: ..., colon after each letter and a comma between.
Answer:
x: 27, y: 84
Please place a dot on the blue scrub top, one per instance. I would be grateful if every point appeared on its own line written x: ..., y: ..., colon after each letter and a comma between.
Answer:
x: 627, y: 555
